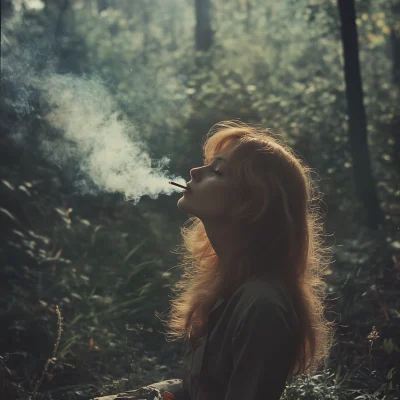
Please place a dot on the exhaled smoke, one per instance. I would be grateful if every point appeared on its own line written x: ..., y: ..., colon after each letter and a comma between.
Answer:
x: 108, y: 151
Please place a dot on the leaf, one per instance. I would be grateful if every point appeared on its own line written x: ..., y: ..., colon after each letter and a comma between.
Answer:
x: 8, y: 184
x: 4, y: 211
x: 19, y: 233
x: 76, y: 295
x: 145, y: 289
x: 138, y: 300
x: 67, y: 222
x: 133, y: 251
x: 138, y: 268
x: 70, y: 342
x: 75, y: 320
x: 58, y: 254
x: 24, y: 189
x: 44, y: 239
x: 61, y: 212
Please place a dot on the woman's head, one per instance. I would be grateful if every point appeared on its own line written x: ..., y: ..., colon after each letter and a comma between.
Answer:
x: 265, y: 194
x: 212, y: 192
x: 256, y: 185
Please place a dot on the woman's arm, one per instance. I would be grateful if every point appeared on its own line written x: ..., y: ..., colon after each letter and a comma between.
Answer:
x: 261, y: 352
x: 174, y: 387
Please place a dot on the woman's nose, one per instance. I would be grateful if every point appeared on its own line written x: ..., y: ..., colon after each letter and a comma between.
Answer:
x: 195, y: 173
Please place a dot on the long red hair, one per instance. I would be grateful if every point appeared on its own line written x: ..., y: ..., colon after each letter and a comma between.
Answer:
x: 282, y: 238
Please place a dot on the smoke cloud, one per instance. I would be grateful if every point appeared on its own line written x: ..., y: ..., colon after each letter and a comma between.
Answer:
x: 109, y: 152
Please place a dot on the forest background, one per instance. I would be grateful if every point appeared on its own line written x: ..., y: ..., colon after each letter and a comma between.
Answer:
x: 83, y: 270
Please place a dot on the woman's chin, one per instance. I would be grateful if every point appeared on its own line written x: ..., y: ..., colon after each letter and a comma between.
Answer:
x: 184, y: 208
x: 181, y: 204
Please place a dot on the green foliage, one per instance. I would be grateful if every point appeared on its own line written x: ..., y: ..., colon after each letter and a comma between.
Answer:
x: 315, y: 387
x: 389, y: 346
x: 103, y: 261
x: 107, y: 285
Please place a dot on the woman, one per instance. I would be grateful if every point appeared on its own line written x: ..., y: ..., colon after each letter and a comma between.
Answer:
x: 250, y: 302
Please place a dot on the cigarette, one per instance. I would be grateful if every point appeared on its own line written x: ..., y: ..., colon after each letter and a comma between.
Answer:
x: 177, y: 184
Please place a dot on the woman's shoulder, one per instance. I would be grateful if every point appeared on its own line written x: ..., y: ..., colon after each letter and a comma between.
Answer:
x: 265, y: 296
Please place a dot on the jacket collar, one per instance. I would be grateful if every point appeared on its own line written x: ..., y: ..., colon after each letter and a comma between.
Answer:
x: 220, y: 299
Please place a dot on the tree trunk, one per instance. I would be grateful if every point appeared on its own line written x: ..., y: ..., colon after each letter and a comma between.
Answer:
x: 146, y: 33
x: 395, y: 41
x: 204, y: 34
x: 102, y: 5
x: 6, y: 9
x: 248, y: 15
x: 364, y: 182
x: 395, y: 46
x: 61, y: 23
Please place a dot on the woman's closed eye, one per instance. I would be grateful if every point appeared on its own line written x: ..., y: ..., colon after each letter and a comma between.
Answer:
x: 216, y: 172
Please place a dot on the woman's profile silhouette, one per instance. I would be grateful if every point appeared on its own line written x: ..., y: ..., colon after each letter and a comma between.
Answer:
x: 250, y: 303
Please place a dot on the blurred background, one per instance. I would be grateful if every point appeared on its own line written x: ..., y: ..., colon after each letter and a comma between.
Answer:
x: 84, y: 269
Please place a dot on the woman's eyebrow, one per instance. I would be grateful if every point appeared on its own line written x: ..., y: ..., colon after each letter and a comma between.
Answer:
x: 214, y: 160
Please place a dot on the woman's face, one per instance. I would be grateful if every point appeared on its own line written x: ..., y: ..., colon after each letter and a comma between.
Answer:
x: 212, y: 194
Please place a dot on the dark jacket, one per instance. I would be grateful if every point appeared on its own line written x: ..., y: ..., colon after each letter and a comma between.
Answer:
x: 247, y: 349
